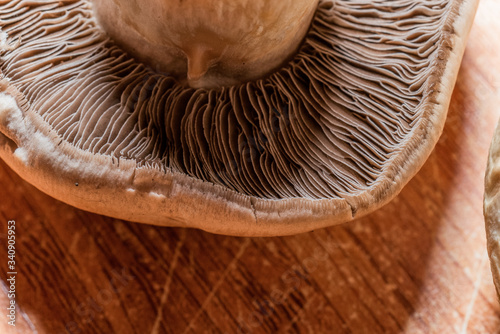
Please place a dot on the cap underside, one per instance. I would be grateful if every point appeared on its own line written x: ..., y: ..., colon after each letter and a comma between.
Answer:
x: 341, y: 128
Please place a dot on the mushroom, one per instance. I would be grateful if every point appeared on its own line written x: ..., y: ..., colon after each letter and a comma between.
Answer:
x: 117, y: 117
x: 492, y: 207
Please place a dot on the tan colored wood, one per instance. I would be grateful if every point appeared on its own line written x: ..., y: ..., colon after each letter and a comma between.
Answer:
x: 418, y: 265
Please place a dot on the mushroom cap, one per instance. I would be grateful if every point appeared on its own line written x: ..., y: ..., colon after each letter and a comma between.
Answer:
x: 492, y: 207
x: 332, y: 135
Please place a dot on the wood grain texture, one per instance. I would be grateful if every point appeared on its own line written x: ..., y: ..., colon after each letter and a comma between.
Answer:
x: 418, y: 265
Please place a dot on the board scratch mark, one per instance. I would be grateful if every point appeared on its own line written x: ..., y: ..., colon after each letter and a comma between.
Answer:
x: 168, y: 281
x: 217, y: 285
x: 470, y: 307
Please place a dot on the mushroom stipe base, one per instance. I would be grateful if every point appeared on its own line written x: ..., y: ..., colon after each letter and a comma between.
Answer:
x: 332, y: 135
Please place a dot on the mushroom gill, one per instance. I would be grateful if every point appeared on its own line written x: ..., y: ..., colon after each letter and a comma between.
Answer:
x: 334, y: 133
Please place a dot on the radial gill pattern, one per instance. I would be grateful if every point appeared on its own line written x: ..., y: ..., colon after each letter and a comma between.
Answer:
x: 323, y: 126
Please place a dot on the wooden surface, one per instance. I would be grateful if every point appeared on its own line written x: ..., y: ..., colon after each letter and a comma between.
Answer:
x: 418, y: 265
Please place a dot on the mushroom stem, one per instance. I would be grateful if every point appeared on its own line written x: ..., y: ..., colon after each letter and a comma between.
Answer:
x: 208, y: 43
x: 198, y: 62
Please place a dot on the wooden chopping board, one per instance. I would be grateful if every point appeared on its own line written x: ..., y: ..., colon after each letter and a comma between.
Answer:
x: 418, y: 265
